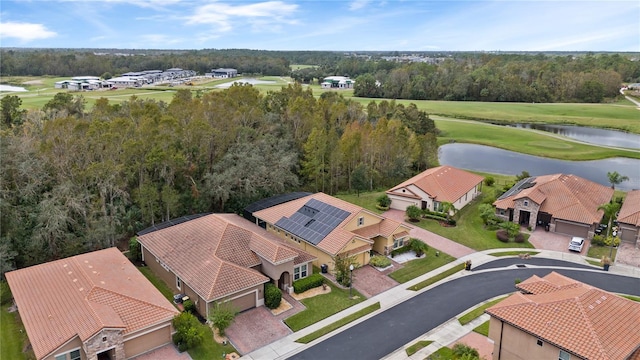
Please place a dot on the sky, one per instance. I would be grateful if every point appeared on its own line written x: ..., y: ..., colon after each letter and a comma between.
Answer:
x: 340, y: 25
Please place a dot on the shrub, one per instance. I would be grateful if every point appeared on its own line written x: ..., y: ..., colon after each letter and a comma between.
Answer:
x: 413, y: 212
x: 502, y: 236
x: 272, y: 296
x: 189, y: 332
x: 519, y: 238
x: 598, y: 240
x: 418, y: 246
x: 380, y: 261
x: 489, y: 181
x: 452, y: 222
x: 189, y: 306
x: 310, y: 282
x: 435, y: 217
x: 401, y: 250
x: 222, y: 316
x: 383, y: 201
x: 5, y: 293
x: 135, y: 252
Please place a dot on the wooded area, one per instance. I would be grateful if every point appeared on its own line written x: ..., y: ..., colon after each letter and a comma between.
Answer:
x: 75, y: 181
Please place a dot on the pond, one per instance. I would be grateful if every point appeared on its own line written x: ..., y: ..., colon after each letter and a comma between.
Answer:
x: 589, y: 135
x: 498, y: 161
x: 11, y: 88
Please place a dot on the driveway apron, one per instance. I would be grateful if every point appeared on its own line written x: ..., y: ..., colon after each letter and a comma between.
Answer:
x: 436, y: 241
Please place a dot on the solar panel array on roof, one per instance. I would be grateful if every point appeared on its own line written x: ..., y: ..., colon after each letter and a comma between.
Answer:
x: 313, y: 221
x: 169, y: 223
x: 519, y: 186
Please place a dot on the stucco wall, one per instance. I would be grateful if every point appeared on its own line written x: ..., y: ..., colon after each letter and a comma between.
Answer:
x: 274, y: 271
x: 517, y: 344
x: 368, y: 219
x: 76, y: 343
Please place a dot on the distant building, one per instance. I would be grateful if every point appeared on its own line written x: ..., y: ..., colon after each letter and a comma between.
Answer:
x: 127, y: 81
x: 337, y: 82
x: 223, y: 73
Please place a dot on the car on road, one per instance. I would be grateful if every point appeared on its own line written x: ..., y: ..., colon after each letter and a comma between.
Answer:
x: 576, y: 244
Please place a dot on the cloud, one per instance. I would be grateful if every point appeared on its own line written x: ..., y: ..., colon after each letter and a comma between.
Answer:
x: 25, y: 31
x: 358, y: 4
x: 226, y: 16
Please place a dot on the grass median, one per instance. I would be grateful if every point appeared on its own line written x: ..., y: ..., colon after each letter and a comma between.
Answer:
x: 338, y: 324
x: 435, y: 279
x: 414, y: 268
x: 478, y: 311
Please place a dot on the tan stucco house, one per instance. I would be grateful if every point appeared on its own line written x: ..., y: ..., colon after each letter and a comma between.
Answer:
x: 556, y: 317
x: 629, y: 217
x: 91, y: 305
x: 221, y: 258
x: 568, y: 204
x: 434, y: 186
x: 325, y: 227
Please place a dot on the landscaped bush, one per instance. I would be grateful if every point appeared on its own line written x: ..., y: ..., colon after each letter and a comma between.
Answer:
x: 380, y: 261
x: 489, y: 181
x: 435, y: 217
x: 519, y: 238
x: 383, y: 201
x: 135, y: 252
x: 401, y: 250
x: 189, y: 332
x: 451, y: 222
x: 418, y: 247
x: 413, y: 212
x: 598, y: 240
x: 272, y: 296
x: 502, y: 236
x: 310, y: 282
x: 189, y: 306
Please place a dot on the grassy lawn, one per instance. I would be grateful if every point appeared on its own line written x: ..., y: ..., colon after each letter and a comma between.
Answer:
x: 473, y: 314
x: 322, y: 306
x: 631, y: 297
x: 417, y: 346
x: 345, y: 320
x: 470, y: 230
x: 414, y: 268
x: 157, y: 282
x: 444, y: 353
x: 482, y: 329
x: 366, y: 200
x: 210, y: 349
x: 535, y: 143
x: 599, y: 251
x: 435, y: 279
x: 12, y: 336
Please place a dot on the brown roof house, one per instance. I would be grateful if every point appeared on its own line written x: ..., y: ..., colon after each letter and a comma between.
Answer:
x: 568, y: 204
x: 89, y: 305
x: 629, y: 217
x: 222, y: 257
x: 327, y: 227
x: 434, y: 186
x: 556, y: 317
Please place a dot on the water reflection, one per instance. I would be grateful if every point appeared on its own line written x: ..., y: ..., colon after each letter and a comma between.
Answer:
x: 589, y: 135
x: 498, y: 161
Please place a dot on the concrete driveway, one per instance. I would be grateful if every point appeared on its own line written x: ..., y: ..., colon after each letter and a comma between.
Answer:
x: 628, y: 254
x: 547, y: 240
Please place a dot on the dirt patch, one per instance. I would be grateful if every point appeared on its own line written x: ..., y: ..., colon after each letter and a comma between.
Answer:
x: 33, y: 82
x: 284, y: 306
x: 312, y: 292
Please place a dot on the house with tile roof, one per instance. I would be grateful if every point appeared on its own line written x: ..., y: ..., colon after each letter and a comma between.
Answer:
x: 429, y: 189
x: 90, y: 306
x: 568, y: 204
x: 629, y: 217
x: 222, y: 257
x: 326, y: 227
x: 556, y: 317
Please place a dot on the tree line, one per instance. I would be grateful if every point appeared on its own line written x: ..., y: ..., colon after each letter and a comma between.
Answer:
x: 74, y: 180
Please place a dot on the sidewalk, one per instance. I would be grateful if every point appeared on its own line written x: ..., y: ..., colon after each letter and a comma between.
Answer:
x: 443, y: 335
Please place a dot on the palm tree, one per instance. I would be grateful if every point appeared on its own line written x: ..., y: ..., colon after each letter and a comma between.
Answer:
x: 448, y: 208
x: 615, y: 178
x: 610, y: 210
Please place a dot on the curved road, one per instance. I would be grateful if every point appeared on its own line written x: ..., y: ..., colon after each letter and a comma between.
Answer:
x: 386, y: 332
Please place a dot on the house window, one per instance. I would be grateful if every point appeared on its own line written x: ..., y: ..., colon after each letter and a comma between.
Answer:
x: 526, y: 203
x: 75, y: 355
x: 178, y: 283
x: 501, y: 211
x: 360, y: 221
x: 61, y: 357
x: 300, y: 272
x: 104, y: 339
x: 564, y: 355
x: 398, y: 243
x: 539, y: 342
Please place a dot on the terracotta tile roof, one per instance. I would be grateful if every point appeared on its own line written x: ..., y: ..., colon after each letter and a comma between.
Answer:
x: 214, y: 254
x: 630, y: 210
x: 335, y: 241
x: 586, y: 321
x: 442, y: 183
x: 566, y: 197
x: 385, y: 228
x: 80, y: 295
x: 552, y: 282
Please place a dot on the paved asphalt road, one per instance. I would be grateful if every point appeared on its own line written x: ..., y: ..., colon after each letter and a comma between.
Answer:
x: 386, y: 332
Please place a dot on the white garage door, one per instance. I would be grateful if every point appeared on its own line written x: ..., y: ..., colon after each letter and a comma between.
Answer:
x: 400, y: 203
x: 572, y: 229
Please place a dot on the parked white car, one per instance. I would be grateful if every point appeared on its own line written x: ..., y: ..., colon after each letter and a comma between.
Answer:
x: 576, y: 244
